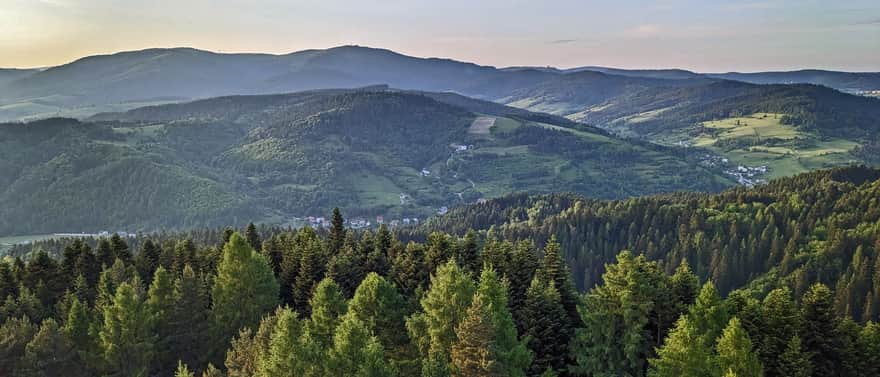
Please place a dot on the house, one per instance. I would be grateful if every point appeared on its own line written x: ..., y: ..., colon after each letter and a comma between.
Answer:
x: 443, y: 210
x: 425, y: 173
x: 406, y: 220
x: 395, y: 223
x: 380, y: 219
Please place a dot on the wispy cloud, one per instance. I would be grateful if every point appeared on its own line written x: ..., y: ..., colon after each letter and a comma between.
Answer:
x: 759, y: 5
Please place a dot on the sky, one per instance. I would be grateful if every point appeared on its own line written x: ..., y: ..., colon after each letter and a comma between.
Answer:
x: 705, y: 36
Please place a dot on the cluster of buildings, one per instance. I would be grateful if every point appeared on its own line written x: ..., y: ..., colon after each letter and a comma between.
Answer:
x: 747, y: 175
x: 361, y: 223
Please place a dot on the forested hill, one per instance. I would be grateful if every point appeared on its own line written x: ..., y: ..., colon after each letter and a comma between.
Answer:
x: 338, y: 302
x: 817, y: 227
x: 274, y: 158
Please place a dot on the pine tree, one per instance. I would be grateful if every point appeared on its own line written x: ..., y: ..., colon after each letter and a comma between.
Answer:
x: 328, y: 305
x: 244, y: 289
x: 253, y: 237
x: 794, y: 361
x: 819, y: 331
x: 683, y: 354
x: 735, y: 352
x: 475, y: 352
x: 546, y: 327
x: 127, y: 335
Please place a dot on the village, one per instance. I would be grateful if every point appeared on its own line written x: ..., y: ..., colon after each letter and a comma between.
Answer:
x: 360, y: 222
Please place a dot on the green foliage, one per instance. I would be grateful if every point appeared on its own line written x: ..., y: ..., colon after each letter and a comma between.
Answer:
x: 475, y: 351
x: 328, y: 305
x: 243, y: 290
x: 683, y: 353
x: 128, y: 337
x: 545, y: 326
x: 794, y: 361
x: 356, y: 352
x: 735, y: 352
x: 512, y: 353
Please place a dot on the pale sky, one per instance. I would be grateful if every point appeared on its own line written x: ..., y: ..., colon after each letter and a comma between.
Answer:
x: 706, y: 36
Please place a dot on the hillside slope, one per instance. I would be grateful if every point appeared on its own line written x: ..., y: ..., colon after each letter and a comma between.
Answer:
x: 276, y: 157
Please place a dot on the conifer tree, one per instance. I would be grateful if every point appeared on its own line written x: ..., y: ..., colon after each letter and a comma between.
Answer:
x: 546, y: 327
x: 684, y: 286
x: 328, y: 305
x: 253, y: 237
x: 183, y: 370
x: 78, y: 329
x: 378, y: 305
x: 147, y: 260
x: 189, y: 318
x: 683, y: 354
x: 868, y: 349
x: 336, y: 238
x: 120, y: 248
x: 15, y: 334
x: 466, y: 253
x: 104, y: 254
x: 244, y: 289
x: 444, y: 306
x: 708, y: 314
x: 356, y: 352
x: 50, y: 353
x: 513, y: 355
x: 819, y: 331
x: 778, y: 322
x: 475, y: 351
x: 282, y: 357
x: 736, y: 353
x: 127, y: 335
x: 553, y: 268
x: 161, y: 303
x: 794, y: 361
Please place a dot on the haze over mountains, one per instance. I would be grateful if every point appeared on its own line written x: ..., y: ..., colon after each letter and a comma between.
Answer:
x: 421, y: 134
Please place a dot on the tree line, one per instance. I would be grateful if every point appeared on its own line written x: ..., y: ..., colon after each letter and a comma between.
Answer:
x: 307, y: 303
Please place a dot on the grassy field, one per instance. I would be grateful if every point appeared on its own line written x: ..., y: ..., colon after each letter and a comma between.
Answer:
x: 762, y: 140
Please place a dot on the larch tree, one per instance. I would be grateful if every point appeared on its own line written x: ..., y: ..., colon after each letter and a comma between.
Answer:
x: 328, y: 305
x: 474, y: 353
x: 244, y: 290
x: 356, y: 352
x: 513, y: 354
x: 128, y: 337
x: 683, y: 354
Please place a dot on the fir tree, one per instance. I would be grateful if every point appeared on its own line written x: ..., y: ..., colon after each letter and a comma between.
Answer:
x: 328, y: 305
x: 336, y: 238
x: 513, y: 355
x: 51, y: 353
x: 120, y: 248
x: 779, y: 322
x: 253, y: 237
x: 819, y: 331
x: 147, y: 260
x: 378, y: 305
x: 683, y: 353
x: 546, y: 327
x: 189, y: 318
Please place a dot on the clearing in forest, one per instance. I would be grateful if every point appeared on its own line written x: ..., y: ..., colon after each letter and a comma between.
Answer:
x: 482, y: 125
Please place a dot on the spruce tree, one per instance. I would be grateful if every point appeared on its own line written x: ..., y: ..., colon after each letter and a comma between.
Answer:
x: 708, y: 314
x: 513, y: 355
x: 310, y: 270
x: 684, y: 287
x: 546, y: 327
x: 868, y: 350
x: 794, y: 361
x: 161, y: 303
x: 189, y: 319
x: 253, y: 237
x: 147, y: 260
x: 819, y: 331
x: 104, y: 253
x: 336, y: 238
x: 244, y: 289
x: 466, y: 253
x: 553, y: 268
x: 736, y: 353
x: 183, y: 370
x: 778, y: 322
x: 282, y: 356
x: 15, y: 334
x: 120, y: 248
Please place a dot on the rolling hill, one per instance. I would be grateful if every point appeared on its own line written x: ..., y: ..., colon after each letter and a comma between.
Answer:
x: 273, y: 158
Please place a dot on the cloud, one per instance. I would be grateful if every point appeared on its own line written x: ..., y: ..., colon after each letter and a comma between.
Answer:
x: 562, y: 41
x: 752, y: 6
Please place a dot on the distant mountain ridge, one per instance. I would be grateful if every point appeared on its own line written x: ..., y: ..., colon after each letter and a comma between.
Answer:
x: 131, y: 79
